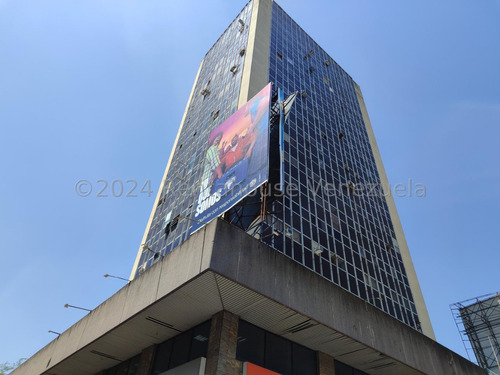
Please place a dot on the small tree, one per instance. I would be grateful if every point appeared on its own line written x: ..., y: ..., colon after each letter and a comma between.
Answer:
x: 7, y: 367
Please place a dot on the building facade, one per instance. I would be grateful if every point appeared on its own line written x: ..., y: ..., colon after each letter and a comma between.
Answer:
x: 297, y: 280
x: 336, y: 217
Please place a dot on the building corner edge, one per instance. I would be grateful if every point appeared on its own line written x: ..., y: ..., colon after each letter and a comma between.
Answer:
x: 162, y: 184
x: 420, y: 305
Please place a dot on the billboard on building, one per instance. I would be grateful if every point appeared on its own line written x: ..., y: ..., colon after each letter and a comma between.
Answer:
x: 236, y: 159
x: 481, y: 323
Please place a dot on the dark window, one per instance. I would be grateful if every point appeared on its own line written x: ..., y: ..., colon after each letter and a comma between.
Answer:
x: 199, y: 343
x: 304, y: 359
x: 180, y: 350
x: 133, y: 366
x: 278, y: 354
x: 122, y: 368
x: 342, y: 369
x: 251, y: 341
x: 162, y: 357
x: 128, y: 367
x: 273, y: 352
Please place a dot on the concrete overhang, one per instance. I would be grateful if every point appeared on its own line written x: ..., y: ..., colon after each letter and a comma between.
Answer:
x: 222, y: 268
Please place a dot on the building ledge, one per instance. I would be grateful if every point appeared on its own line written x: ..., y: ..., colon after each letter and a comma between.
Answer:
x: 222, y: 268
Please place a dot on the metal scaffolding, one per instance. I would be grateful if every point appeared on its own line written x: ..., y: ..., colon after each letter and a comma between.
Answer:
x: 478, y: 321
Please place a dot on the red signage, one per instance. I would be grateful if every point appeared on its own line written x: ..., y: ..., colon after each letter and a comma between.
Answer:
x: 251, y: 369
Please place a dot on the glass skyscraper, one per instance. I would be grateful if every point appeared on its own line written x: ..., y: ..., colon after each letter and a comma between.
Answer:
x: 334, y: 214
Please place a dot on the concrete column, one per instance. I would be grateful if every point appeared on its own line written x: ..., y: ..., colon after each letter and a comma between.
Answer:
x: 326, y: 364
x: 221, y: 356
x: 256, y: 66
x: 146, y: 360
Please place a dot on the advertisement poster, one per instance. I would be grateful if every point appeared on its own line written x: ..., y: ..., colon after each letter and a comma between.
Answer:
x: 236, y: 159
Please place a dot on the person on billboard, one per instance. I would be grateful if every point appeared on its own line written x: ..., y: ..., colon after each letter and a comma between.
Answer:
x: 212, y: 170
x: 239, y: 149
x: 234, y: 162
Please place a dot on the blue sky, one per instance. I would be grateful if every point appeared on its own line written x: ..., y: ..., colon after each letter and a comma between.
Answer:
x: 96, y: 90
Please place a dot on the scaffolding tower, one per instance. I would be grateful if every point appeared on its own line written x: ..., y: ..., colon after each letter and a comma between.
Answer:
x: 478, y: 321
